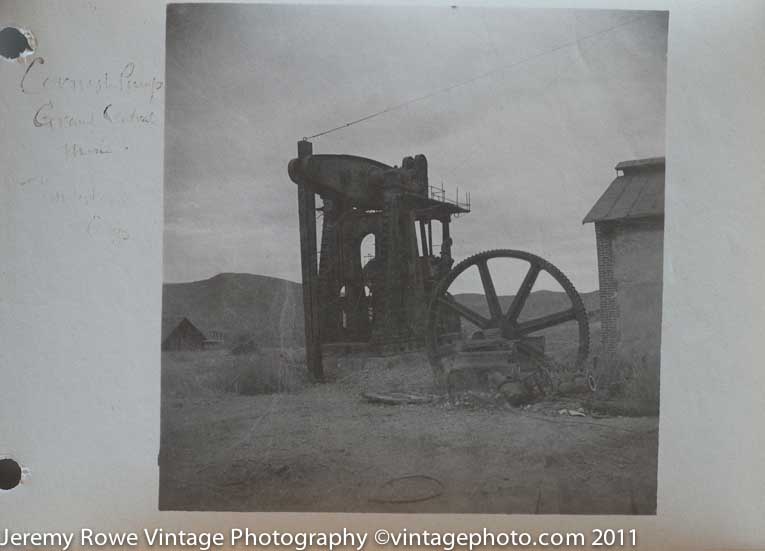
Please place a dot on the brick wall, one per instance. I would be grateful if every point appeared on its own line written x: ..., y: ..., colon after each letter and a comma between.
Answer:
x: 638, y: 265
x: 609, y: 308
x: 630, y: 278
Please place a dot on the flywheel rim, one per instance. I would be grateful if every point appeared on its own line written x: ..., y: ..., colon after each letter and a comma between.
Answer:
x: 537, y: 265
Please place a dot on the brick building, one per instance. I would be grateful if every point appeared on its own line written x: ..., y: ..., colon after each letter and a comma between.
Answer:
x: 629, y: 231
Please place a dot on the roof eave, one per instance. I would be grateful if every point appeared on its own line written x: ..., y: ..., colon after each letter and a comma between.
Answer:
x: 641, y: 163
x: 588, y: 220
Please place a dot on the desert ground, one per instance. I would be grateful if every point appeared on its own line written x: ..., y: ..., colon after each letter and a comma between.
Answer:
x: 251, y: 433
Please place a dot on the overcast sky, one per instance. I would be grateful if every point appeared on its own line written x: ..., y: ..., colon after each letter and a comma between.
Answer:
x: 534, y: 143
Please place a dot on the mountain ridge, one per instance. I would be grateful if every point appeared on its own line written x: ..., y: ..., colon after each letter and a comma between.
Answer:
x: 270, y: 309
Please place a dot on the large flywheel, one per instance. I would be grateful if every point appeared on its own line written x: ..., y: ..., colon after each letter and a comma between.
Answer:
x: 506, y: 331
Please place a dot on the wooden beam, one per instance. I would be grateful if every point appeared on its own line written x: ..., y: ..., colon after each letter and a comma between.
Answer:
x: 308, y: 262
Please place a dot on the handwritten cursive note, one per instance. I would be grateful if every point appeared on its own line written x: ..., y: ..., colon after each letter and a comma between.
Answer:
x: 123, y: 96
x: 126, y: 81
x: 87, y: 125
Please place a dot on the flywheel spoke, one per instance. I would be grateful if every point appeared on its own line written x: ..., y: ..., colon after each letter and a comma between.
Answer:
x: 546, y: 322
x: 470, y: 315
x: 523, y: 293
x: 446, y: 336
x: 489, y: 291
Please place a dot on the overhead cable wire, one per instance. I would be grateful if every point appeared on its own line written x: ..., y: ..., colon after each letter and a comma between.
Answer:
x: 473, y: 79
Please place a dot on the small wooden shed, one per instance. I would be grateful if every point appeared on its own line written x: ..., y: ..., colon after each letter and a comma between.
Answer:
x: 181, y: 335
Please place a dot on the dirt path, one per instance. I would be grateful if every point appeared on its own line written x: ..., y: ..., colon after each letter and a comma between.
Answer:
x: 326, y: 449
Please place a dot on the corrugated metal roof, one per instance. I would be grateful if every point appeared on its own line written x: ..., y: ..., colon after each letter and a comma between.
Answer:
x: 636, y: 193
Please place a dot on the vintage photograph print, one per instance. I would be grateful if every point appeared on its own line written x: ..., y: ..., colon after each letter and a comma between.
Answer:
x: 412, y: 259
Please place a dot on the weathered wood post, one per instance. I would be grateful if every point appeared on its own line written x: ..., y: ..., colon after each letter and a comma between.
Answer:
x: 308, y: 261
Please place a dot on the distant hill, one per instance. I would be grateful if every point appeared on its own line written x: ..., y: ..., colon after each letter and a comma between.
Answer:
x: 271, y: 309
x: 240, y: 305
x: 538, y: 304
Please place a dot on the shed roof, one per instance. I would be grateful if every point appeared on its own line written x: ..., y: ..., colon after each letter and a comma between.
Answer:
x: 170, y: 323
x: 636, y: 193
